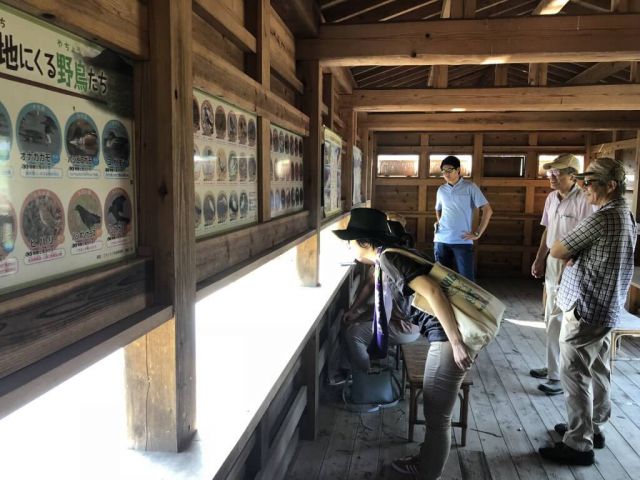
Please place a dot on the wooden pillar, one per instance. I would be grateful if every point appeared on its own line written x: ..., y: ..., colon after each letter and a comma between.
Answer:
x: 477, y: 161
x: 264, y: 162
x: 372, y: 171
x: 350, y: 127
x: 500, y: 75
x: 635, y: 207
x: 328, y: 97
x: 538, y: 74
x: 423, y: 173
x: 311, y: 375
x: 308, y: 252
x: 160, y: 367
x: 634, y: 76
x: 531, y: 169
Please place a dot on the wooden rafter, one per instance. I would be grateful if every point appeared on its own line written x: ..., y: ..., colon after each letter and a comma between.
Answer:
x: 457, y: 42
x: 525, y: 99
x: 598, y: 72
x: 509, y: 121
x: 549, y: 7
x: 392, y: 11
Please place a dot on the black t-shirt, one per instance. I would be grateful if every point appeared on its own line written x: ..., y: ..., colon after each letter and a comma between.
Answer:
x: 399, y: 272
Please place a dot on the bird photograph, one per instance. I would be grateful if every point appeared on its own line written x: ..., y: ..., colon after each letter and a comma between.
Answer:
x: 244, y: 203
x: 42, y: 220
x: 222, y: 207
x: 37, y: 127
x: 7, y: 231
x: 209, y: 209
x: 220, y: 122
x: 252, y: 132
x: 233, y: 206
x: 242, y: 130
x: 198, y: 210
x: 89, y: 219
x: 196, y: 115
x: 82, y: 138
x: 207, y: 118
x: 232, y: 127
x: 119, y: 216
x: 116, y: 148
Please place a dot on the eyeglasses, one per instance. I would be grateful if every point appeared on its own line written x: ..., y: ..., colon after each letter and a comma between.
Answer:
x: 586, y: 182
x: 555, y: 172
x: 448, y: 170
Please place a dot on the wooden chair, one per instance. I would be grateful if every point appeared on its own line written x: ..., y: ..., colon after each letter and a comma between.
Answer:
x: 414, y: 357
x: 628, y: 325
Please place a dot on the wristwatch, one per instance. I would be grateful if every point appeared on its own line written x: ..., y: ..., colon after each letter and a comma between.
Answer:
x: 477, y: 234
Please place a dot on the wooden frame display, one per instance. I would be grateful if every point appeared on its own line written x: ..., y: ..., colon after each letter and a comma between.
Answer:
x: 67, y: 200
x: 331, y: 171
x: 286, y: 169
x: 225, y: 162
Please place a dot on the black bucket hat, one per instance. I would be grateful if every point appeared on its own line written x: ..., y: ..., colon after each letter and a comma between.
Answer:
x: 367, y: 223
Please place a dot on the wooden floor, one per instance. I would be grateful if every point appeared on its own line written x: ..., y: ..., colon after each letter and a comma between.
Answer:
x: 509, y: 417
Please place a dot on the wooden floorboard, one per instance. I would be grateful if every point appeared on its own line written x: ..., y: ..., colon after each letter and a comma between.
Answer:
x: 509, y: 418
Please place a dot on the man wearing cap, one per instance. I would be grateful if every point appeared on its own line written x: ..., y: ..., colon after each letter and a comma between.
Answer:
x: 455, y: 202
x: 593, y: 289
x: 565, y: 207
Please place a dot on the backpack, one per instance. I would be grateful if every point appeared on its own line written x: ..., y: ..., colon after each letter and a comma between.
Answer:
x: 372, y: 390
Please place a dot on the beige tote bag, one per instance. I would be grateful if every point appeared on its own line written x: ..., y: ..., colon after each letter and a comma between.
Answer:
x: 478, y: 313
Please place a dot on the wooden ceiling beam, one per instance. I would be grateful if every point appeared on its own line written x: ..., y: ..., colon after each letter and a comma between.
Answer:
x: 495, y: 122
x: 519, y: 99
x: 301, y: 16
x: 549, y: 7
x: 598, y: 72
x: 591, y: 38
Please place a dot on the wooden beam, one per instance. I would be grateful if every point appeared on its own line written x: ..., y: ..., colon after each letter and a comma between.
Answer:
x: 161, y: 365
x: 500, y: 77
x: 538, y: 74
x: 524, y: 99
x: 118, y: 24
x: 302, y: 16
x: 438, y: 76
x: 549, y: 7
x: 603, y: 149
x: 597, y: 72
x: 516, y: 121
x: 217, y: 14
x: 590, y: 38
x: 215, y: 75
x: 634, y: 75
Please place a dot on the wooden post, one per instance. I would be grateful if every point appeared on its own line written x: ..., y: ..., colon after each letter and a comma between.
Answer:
x: 328, y: 97
x: 308, y: 252
x: 264, y: 162
x: 309, y: 426
x: 500, y: 75
x: 350, y: 128
x: 538, y: 74
x: 635, y: 207
x: 423, y: 170
x: 160, y: 367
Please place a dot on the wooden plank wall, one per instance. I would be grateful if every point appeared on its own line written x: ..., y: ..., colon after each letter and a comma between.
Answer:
x: 511, y: 240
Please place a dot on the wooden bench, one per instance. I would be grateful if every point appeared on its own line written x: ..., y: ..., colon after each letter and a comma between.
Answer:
x: 414, y: 358
x: 628, y: 325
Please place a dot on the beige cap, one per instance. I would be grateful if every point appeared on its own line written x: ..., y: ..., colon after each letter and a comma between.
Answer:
x: 606, y: 169
x: 565, y: 160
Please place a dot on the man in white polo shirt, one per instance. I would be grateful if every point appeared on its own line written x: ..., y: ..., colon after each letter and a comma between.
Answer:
x: 565, y: 207
x: 455, y: 202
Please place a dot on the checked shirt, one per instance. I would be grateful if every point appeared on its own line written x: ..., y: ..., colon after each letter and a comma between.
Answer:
x: 602, y: 249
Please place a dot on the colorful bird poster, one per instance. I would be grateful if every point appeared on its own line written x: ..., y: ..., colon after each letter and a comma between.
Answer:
x: 66, y: 158
x: 225, y: 162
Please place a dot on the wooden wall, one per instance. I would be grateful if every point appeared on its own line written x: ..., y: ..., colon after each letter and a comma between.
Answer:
x: 509, y: 244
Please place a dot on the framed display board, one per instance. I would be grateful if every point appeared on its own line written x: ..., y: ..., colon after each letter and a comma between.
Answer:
x: 225, y: 164
x: 67, y: 199
x: 332, y: 170
x: 286, y: 195
x: 357, y: 176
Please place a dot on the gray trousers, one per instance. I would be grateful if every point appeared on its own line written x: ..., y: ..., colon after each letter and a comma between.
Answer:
x: 553, y: 315
x: 586, y: 379
x: 358, y: 335
x: 440, y: 387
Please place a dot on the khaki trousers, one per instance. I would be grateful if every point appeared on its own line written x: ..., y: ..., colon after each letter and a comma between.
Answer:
x: 586, y: 379
x: 553, y: 315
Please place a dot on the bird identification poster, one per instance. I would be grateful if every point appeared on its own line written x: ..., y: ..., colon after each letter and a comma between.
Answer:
x: 66, y: 186
x: 286, y: 169
x: 357, y: 176
x: 332, y: 172
x: 225, y: 161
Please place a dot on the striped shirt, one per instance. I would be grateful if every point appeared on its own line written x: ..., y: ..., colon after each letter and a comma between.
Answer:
x: 602, y: 248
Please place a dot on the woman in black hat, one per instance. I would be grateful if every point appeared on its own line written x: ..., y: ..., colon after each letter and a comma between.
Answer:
x: 397, y: 277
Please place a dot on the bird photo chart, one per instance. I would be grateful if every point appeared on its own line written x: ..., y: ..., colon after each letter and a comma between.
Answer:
x: 225, y: 162
x: 66, y: 163
x: 286, y: 170
x: 332, y: 173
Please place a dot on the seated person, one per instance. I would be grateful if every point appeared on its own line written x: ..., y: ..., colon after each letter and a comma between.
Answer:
x: 357, y: 320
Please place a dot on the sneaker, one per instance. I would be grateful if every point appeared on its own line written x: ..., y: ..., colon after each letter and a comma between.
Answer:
x: 552, y: 387
x: 539, y: 372
x: 407, y: 465
x: 339, y: 378
x: 598, y: 438
x: 563, y: 453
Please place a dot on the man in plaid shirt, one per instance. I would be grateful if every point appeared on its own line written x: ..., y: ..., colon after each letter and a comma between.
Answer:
x: 599, y: 252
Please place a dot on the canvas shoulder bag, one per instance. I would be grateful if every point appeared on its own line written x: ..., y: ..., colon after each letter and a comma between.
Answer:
x: 478, y: 313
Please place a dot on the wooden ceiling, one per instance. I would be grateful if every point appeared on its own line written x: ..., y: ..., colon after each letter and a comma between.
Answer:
x: 468, y: 76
